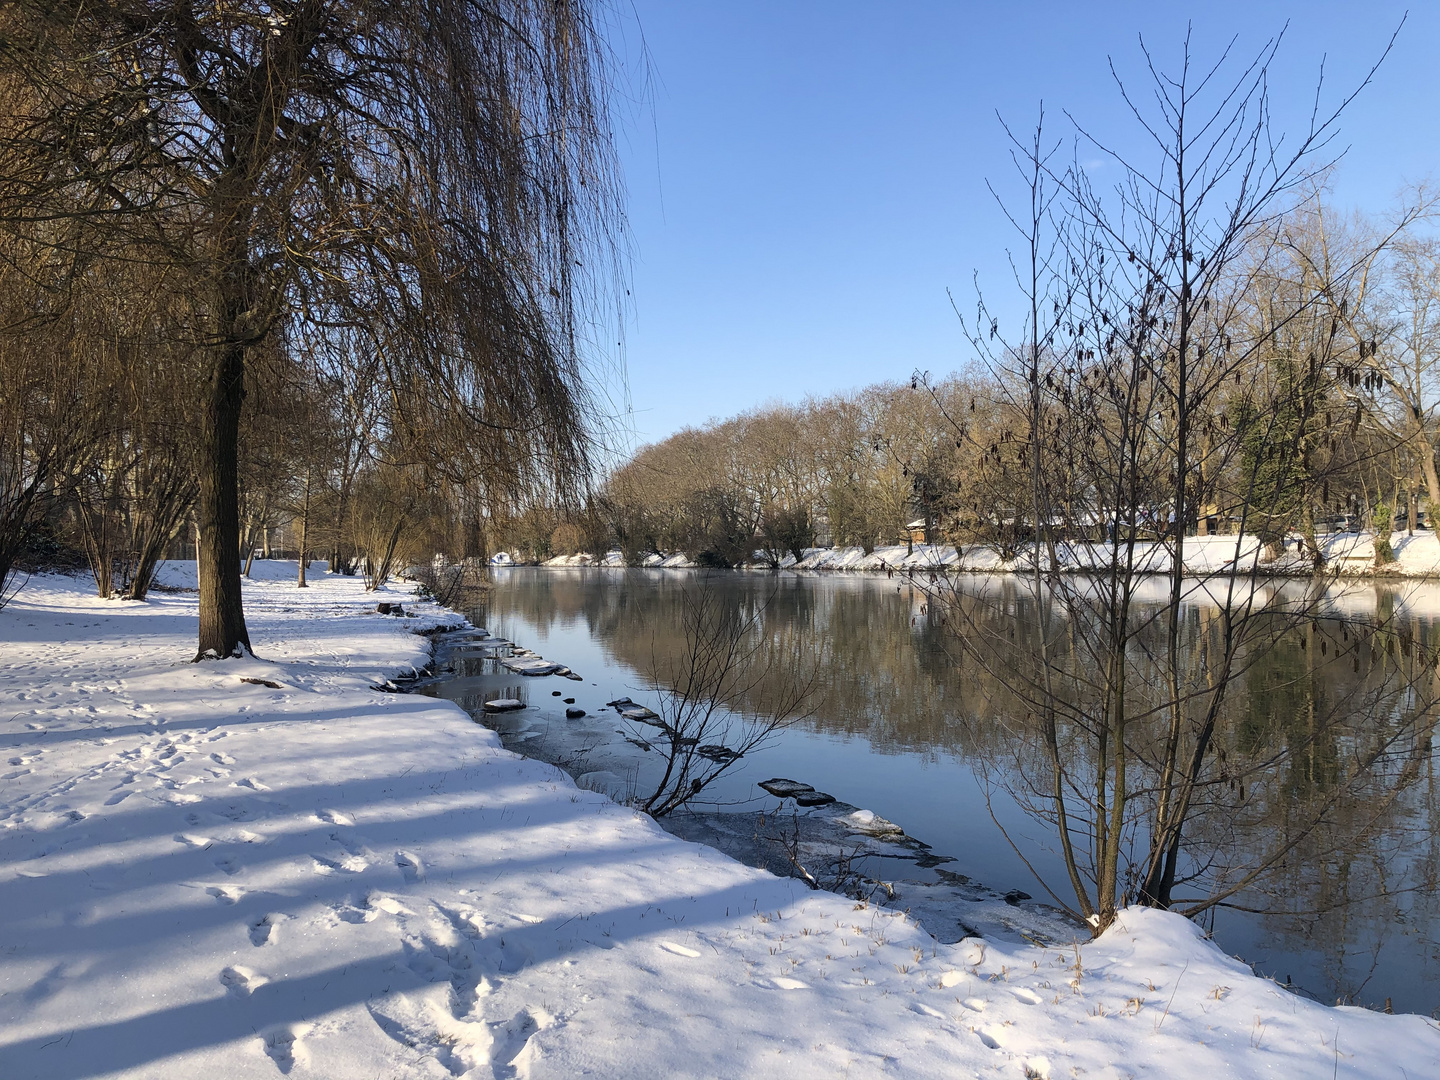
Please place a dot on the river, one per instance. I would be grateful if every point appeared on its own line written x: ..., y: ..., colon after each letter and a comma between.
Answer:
x: 901, y: 726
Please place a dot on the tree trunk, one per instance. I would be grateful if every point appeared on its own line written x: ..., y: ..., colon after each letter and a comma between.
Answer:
x: 1312, y: 542
x: 304, y: 531
x: 1426, y: 453
x: 222, y: 616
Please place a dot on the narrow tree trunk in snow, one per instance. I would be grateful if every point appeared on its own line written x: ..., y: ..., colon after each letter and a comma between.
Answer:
x: 304, y: 530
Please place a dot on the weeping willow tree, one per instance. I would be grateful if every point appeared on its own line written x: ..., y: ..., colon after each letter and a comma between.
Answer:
x: 433, y: 179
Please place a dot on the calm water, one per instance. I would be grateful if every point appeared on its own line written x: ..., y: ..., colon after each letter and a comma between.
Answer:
x: 905, y: 728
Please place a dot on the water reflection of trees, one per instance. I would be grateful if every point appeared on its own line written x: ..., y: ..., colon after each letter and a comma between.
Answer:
x: 1326, y: 729
x: 1308, y: 707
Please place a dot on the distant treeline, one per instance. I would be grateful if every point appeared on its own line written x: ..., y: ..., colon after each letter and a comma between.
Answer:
x: 1318, y: 411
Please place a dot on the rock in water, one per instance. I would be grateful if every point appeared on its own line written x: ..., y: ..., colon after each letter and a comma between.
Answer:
x: 640, y: 713
x: 718, y: 754
x: 504, y: 705
x: 785, y: 789
x: 574, y: 713
x: 871, y: 824
x: 619, y: 703
x: 530, y: 666
x: 813, y: 798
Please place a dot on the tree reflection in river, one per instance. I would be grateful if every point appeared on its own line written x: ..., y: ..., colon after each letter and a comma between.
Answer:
x: 1351, y: 907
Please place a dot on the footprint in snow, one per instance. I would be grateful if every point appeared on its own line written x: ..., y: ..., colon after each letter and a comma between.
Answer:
x: 410, y: 866
x: 242, y: 981
x: 194, y: 839
x: 225, y: 894
x: 350, y: 864
x: 222, y: 759
x: 251, y: 783
x: 118, y: 797
x: 992, y: 1037
x: 513, y: 957
x: 262, y: 930
x: 283, y: 1045
x: 334, y: 817
x: 1028, y: 996
x: 352, y: 847
x: 784, y: 982
x: 227, y: 866
x: 679, y: 950
x: 353, y: 914
x: 512, y: 1052
x: 974, y: 1004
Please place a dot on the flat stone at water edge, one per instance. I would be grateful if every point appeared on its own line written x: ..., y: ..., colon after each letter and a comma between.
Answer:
x: 813, y: 798
x: 785, y: 789
x: 529, y: 666
x: 503, y: 705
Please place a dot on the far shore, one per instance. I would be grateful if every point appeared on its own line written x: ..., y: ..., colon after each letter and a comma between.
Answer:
x: 1346, y: 555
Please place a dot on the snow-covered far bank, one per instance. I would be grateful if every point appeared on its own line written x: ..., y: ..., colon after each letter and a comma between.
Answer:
x: 1349, y: 554
x: 202, y: 874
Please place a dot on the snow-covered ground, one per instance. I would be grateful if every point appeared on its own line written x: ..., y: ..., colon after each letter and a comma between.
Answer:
x: 206, y: 877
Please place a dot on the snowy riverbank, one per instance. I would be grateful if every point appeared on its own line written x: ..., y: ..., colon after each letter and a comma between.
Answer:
x: 204, y: 876
x: 1417, y: 555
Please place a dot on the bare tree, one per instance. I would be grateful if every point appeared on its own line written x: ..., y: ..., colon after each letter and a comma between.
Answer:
x: 1124, y: 397
x: 730, y: 690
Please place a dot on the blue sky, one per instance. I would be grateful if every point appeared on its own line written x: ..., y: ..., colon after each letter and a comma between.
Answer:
x: 807, y: 179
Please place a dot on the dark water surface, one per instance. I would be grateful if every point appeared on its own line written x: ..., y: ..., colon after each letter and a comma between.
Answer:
x: 903, y: 729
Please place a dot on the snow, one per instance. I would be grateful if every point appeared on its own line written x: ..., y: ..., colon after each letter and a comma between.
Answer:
x: 201, y: 876
x: 1416, y: 555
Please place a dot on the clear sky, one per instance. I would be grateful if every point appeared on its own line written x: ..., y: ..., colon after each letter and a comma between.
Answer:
x: 806, y: 179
